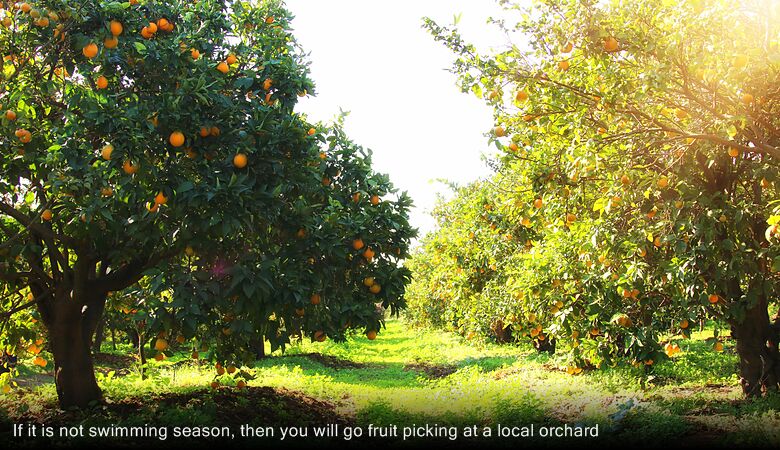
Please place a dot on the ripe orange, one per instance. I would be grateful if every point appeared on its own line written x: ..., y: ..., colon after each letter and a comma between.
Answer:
x: 129, y: 167
x: 315, y: 299
x: 240, y: 161
x: 567, y: 48
x: 214, y: 131
x: 195, y: 53
x: 231, y: 59
x: 684, y: 324
x: 269, y: 20
x: 611, y: 44
x: 538, y: 203
x: 241, y: 384
x: 521, y: 96
x: 267, y: 84
x: 111, y: 42
x: 116, y: 27
x: 357, y: 244
x: 47, y: 215
x: 356, y: 197
x: 101, y: 82
x: 718, y: 347
x: 176, y: 138
x: 368, y: 281
x: 160, y: 199
x: 513, y: 147
x: 146, y: 33
x: 10, y: 115
x: 375, y: 288
x: 163, y: 24
x: 714, y: 298
x: 160, y: 344
x: 311, y: 131
x: 747, y: 99
x: 663, y: 182
x: 625, y: 180
x: 563, y: 66
x: 214, y: 384
x: 325, y: 181
x: 371, y: 335
x: 152, y: 27
x: 204, y: 132
x: 374, y: 200
x: 223, y: 67
x: 499, y: 132
x: 90, y: 50
x: 320, y: 336
x: 733, y: 152
x: 180, y: 339
x: 231, y: 369
x: 368, y: 254
x: 570, y: 217
x: 25, y: 7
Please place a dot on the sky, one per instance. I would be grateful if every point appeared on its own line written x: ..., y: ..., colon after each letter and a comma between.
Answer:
x: 374, y: 60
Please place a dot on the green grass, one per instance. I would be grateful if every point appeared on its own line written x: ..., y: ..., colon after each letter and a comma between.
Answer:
x: 412, y: 376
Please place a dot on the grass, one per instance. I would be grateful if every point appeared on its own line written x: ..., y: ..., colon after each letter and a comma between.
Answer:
x: 411, y: 376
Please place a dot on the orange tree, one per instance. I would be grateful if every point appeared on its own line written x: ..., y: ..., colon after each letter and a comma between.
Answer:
x: 648, y: 140
x: 160, y: 139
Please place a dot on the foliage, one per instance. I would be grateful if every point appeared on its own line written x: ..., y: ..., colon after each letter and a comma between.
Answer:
x: 640, y: 148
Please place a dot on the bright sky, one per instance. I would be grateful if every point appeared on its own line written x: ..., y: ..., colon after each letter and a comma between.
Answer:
x: 374, y: 60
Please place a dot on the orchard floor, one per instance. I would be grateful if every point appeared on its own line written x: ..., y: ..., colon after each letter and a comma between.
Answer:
x: 410, y: 377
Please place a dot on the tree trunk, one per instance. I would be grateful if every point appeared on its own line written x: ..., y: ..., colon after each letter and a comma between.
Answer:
x: 759, y: 361
x: 71, y: 326
x: 100, y: 335
x: 260, y: 346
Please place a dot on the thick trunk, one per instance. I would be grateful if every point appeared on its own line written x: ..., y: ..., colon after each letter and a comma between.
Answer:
x: 71, y: 327
x: 759, y: 361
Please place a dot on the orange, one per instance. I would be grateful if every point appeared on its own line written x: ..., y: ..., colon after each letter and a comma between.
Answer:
x: 241, y: 384
x: 220, y: 370
x: 513, y: 147
x: 176, y: 138
x: 718, y: 347
x: 116, y: 27
x: 160, y: 344
x: 269, y: 20
x: 663, y: 182
x: 90, y: 50
x: 684, y: 324
x: 375, y: 288
x: 146, y: 33
x: 499, y: 131
x: 160, y: 199
x: 320, y: 336
x: 231, y: 59
x: 611, y: 44
x: 129, y: 167
x: 374, y: 200
x: 223, y: 67
x: 101, y: 82
x: 24, y: 135
x: 107, y: 192
x: 204, y: 132
x: 368, y: 254
x: 214, y: 131
x: 25, y: 7
x: 567, y: 48
x: 231, y: 369
x: 714, y: 298
x: 315, y: 299
x: 356, y: 197
x: 240, y: 161
x: 301, y: 233
x: 214, y: 384
x: 747, y: 99
x: 10, y: 115
x: 680, y: 113
x: 371, y: 335
x: 325, y: 181
x: 267, y: 84
x: 111, y: 42
x: 163, y: 24
x: 733, y: 152
x: 521, y: 96
x: 47, y: 215
x: 563, y: 65
x: 311, y: 131
x: 538, y: 203
x: 368, y: 281
x: 570, y: 217
x: 357, y: 244
x: 152, y: 27
x: 625, y: 180
x: 195, y: 355
x: 195, y: 53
